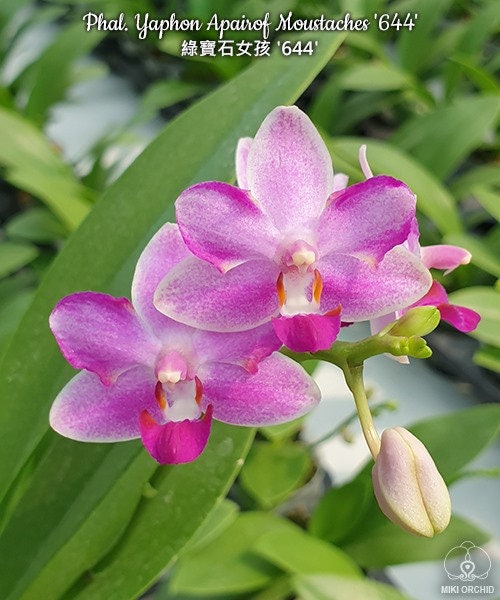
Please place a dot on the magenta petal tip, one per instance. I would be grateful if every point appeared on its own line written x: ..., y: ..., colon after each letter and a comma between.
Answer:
x: 308, y: 333
x: 175, y: 442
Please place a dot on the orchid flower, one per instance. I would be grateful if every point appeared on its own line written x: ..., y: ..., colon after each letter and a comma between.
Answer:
x: 285, y: 246
x: 441, y: 256
x: 148, y: 376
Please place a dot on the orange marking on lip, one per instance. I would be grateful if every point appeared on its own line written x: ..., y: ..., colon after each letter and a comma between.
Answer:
x: 334, y: 312
x: 160, y: 395
x: 280, y: 289
x: 199, y: 390
x: 317, y: 286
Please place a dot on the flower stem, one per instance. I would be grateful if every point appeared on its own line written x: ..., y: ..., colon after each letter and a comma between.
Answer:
x: 354, y: 380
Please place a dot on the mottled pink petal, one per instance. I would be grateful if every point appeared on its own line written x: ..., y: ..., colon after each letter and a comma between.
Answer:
x: 88, y: 411
x: 280, y: 391
x: 102, y: 334
x: 221, y: 224
x: 289, y: 168
x: 366, y: 291
x: 163, y: 252
x: 435, y: 296
x: 175, y: 442
x: 242, y: 150
x: 246, y: 348
x: 197, y: 294
x: 308, y: 333
x: 444, y: 257
x: 462, y: 318
x: 367, y: 219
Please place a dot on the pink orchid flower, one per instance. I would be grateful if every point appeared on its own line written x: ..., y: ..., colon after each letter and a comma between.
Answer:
x: 148, y: 376
x: 285, y: 246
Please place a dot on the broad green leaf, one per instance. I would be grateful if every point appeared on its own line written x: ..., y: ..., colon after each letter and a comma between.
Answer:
x: 333, y: 587
x: 14, y: 256
x: 295, y: 551
x: 219, y: 519
x: 485, y: 301
x: 482, y: 255
x: 163, y: 94
x: 272, y: 471
x: 166, y: 520
x: 33, y: 165
x: 489, y: 201
x: 227, y: 565
x: 387, y: 544
x: 283, y: 431
x: 443, y: 138
x: 50, y: 74
x: 467, y: 431
x: 198, y: 145
x: 480, y: 77
x: 376, y: 76
x: 35, y: 225
x: 489, y: 358
x: 482, y: 176
x: 69, y: 517
x: 341, y: 509
x: 432, y: 198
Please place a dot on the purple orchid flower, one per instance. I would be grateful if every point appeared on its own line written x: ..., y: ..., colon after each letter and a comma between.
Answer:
x: 286, y: 246
x: 441, y: 256
x: 148, y: 376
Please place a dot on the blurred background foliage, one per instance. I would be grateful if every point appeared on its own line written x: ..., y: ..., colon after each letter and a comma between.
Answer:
x: 426, y: 102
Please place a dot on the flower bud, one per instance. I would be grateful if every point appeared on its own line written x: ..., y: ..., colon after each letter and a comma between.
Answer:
x: 408, y: 487
x: 418, y: 321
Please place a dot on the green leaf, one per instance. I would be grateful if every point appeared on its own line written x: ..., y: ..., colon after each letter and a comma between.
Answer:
x: 219, y: 519
x: 433, y: 200
x: 443, y: 138
x: 488, y: 200
x: 50, y: 74
x: 482, y: 255
x: 332, y: 587
x: 295, y: 551
x: 14, y: 256
x: 341, y: 509
x: 283, y: 431
x: 167, y: 520
x: 387, y: 544
x: 272, y: 471
x: 34, y: 166
x: 485, y: 301
x: 163, y: 94
x: 467, y: 431
x: 488, y: 357
x: 227, y: 565
x: 198, y: 145
x: 35, y: 225
x: 376, y: 76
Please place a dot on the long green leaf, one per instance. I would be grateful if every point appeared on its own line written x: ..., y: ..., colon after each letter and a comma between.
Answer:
x: 198, y: 145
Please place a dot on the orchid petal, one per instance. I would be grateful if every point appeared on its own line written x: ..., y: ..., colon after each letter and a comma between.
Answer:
x: 102, y: 334
x: 340, y: 181
x: 163, y: 252
x: 280, y: 391
x: 175, y: 442
x: 435, y: 296
x: 197, y: 294
x: 462, y: 318
x: 88, y: 411
x: 289, y: 168
x: 366, y: 291
x: 221, y: 224
x: 245, y: 348
x: 444, y: 257
x: 367, y: 219
x: 242, y: 150
x: 308, y: 333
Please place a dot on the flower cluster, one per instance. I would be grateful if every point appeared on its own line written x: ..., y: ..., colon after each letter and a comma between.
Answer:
x: 286, y: 258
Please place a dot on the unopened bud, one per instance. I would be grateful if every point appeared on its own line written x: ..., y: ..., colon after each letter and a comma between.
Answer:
x: 418, y: 321
x: 408, y: 487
